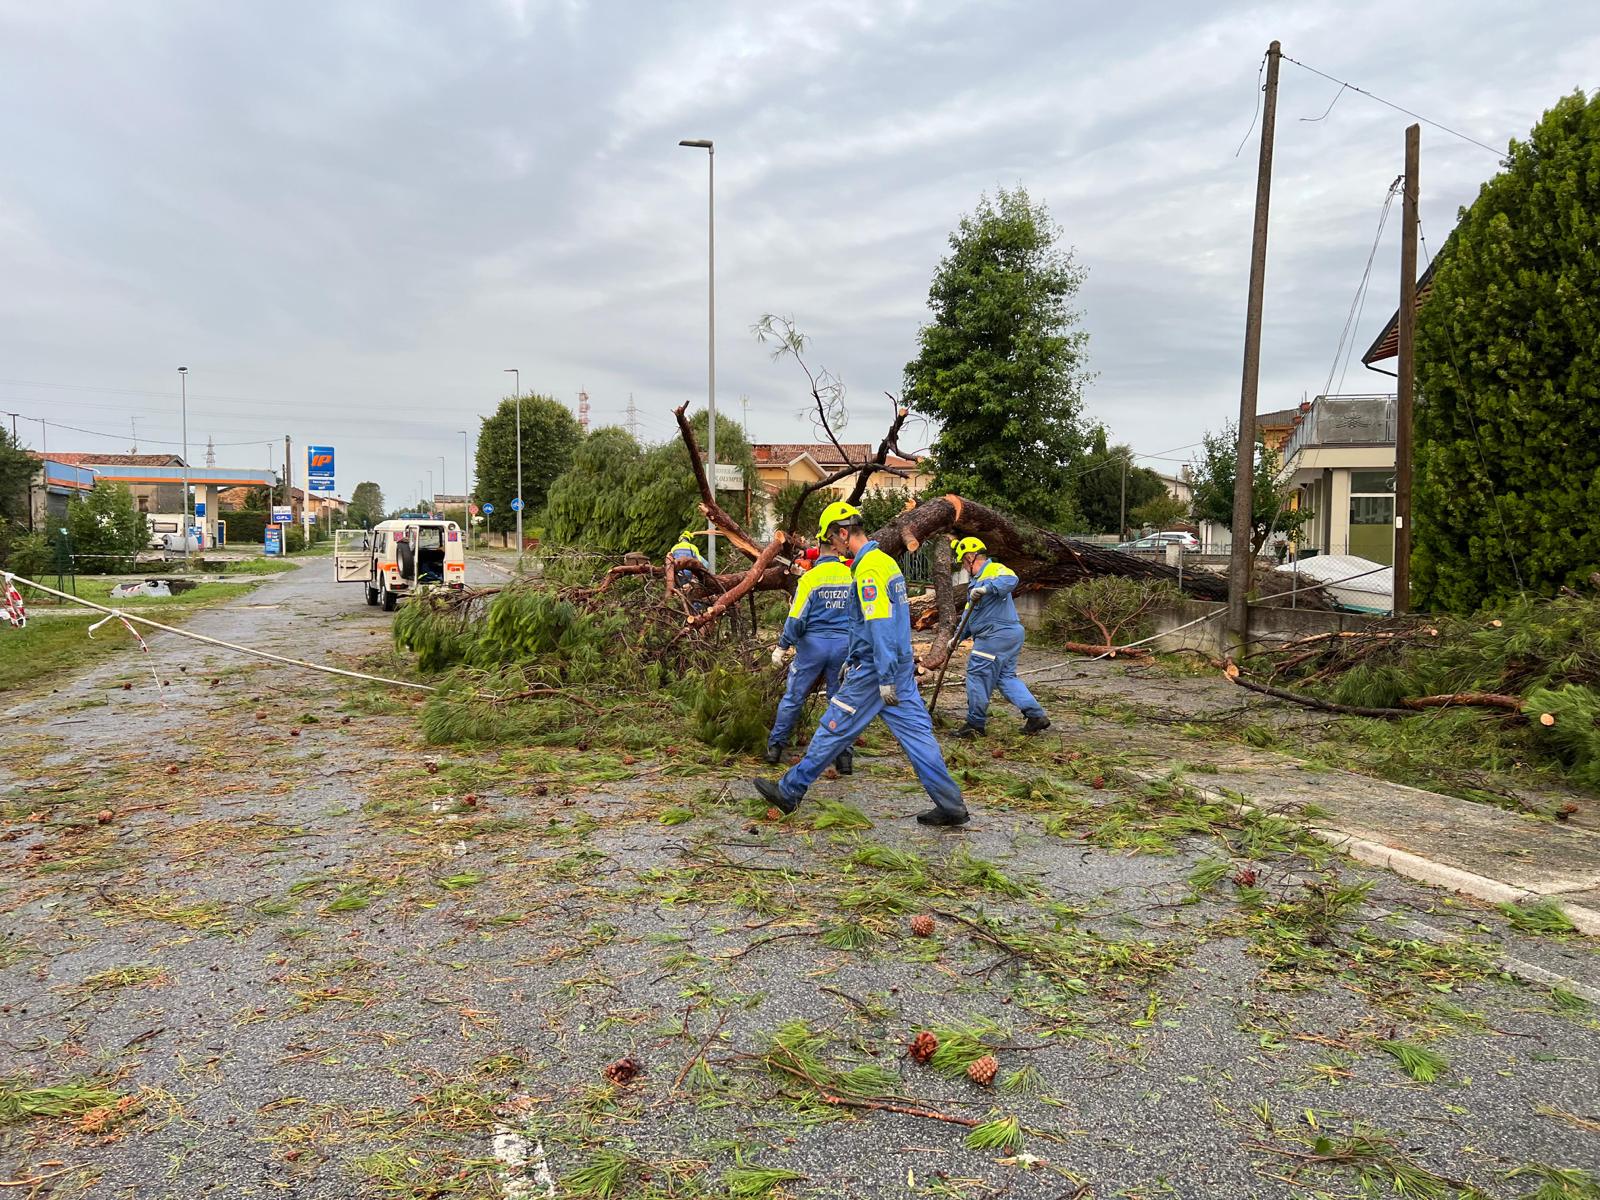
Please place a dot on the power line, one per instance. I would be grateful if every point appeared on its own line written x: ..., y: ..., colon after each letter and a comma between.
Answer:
x: 1390, y: 104
x: 1358, y: 302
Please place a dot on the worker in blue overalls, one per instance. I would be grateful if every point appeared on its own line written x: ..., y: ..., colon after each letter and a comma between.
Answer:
x: 880, y: 680
x: 684, y: 550
x: 996, y: 633
x: 818, y: 630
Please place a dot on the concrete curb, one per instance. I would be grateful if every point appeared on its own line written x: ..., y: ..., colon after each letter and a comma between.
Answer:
x: 1410, y: 865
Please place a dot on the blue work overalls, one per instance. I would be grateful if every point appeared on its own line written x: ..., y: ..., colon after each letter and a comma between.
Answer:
x: 680, y: 552
x: 818, y: 627
x: 880, y: 649
x: 996, y: 633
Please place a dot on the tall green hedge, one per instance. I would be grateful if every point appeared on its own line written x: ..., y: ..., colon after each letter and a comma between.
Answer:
x: 1508, y: 418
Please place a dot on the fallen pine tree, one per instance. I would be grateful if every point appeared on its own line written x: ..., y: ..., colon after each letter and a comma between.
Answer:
x: 1525, y: 678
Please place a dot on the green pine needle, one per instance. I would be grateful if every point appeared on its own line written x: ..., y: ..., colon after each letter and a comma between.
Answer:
x: 1419, y: 1062
x: 753, y: 1181
x: 1003, y: 1133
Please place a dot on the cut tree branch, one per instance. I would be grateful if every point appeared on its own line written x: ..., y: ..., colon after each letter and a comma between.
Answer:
x: 714, y: 512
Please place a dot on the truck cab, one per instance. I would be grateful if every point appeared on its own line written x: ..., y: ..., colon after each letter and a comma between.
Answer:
x: 400, y: 558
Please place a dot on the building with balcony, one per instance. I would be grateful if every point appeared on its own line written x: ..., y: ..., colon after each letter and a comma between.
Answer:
x: 1339, y: 458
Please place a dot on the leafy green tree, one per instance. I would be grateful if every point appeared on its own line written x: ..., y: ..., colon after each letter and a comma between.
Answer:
x: 1098, y: 481
x: 1000, y: 366
x: 588, y: 502
x: 107, y: 529
x: 550, y: 437
x: 1214, y: 472
x: 17, y: 469
x: 882, y: 505
x: 1507, y: 425
x: 810, y: 512
x: 1159, y: 512
x: 366, y: 505
x: 615, y: 498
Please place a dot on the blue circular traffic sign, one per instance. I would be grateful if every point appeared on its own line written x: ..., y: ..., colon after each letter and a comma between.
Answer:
x: 516, y: 505
x: 488, y: 508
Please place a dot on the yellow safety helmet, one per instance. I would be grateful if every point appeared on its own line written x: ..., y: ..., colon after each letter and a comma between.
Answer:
x: 968, y: 546
x: 686, y: 536
x: 837, y: 513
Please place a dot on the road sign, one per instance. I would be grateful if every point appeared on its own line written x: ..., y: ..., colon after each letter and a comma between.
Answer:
x: 282, y: 514
x: 488, y: 508
x: 729, y: 478
x: 319, y: 468
x: 473, y: 509
x: 516, y: 505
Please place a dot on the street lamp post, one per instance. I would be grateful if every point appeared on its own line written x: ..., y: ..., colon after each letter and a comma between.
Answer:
x: 444, y: 487
x: 518, y: 506
x: 188, y: 511
x: 711, y: 323
x: 466, y: 489
x: 429, y: 505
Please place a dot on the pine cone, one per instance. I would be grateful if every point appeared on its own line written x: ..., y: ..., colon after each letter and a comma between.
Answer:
x: 922, y: 925
x: 923, y: 1046
x: 624, y: 1070
x: 982, y: 1071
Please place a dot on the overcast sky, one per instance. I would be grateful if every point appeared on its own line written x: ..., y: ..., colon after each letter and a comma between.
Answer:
x: 347, y: 218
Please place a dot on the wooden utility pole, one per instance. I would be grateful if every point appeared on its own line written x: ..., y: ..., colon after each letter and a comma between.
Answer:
x: 1407, y: 328
x: 1239, y: 558
x: 1122, y: 520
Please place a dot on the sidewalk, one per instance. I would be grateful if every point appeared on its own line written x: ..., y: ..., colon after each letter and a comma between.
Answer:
x: 1472, y: 848
x: 1482, y: 851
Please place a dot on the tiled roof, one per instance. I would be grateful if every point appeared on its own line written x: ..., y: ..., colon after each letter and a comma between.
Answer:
x: 825, y: 454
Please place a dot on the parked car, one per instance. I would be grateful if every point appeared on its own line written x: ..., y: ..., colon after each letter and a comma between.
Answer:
x: 1152, y: 542
x: 1160, y: 541
x: 1187, y: 540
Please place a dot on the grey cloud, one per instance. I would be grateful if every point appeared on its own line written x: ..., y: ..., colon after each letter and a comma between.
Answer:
x: 360, y: 212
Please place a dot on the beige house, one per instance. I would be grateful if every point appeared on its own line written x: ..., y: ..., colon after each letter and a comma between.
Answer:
x: 1340, y: 460
x: 779, y: 464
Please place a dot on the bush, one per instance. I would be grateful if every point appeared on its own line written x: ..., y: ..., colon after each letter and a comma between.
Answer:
x: 31, y: 555
x: 1106, y: 611
x: 107, y: 530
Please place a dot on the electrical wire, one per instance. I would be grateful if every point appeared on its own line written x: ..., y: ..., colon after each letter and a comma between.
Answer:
x: 1358, y: 302
x: 1391, y: 104
x: 1256, y: 116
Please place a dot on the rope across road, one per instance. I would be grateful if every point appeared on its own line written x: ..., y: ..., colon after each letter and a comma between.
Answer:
x: 126, y: 617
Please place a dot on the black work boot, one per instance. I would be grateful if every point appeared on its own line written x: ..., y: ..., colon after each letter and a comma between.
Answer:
x: 938, y: 816
x: 773, y: 754
x: 1036, y: 725
x: 845, y: 764
x: 968, y: 732
x: 773, y: 796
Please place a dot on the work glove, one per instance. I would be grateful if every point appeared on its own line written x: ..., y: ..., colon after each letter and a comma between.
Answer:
x: 888, y: 695
x: 977, y: 593
x: 778, y: 654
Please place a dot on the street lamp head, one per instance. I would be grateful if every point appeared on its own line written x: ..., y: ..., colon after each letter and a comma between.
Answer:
x: 697, y: 143
x: 183, y: 370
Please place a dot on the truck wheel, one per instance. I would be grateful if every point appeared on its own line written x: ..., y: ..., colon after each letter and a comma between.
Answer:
x: 372, y: 596
x: 390, y: 599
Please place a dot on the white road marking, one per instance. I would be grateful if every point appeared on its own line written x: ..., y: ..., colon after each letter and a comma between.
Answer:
x: 522, y: 1160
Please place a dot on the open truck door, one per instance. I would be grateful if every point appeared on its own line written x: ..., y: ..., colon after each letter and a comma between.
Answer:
x: 352, y: 556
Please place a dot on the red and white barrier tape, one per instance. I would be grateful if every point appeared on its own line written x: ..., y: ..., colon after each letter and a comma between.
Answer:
x: 16, y: 610
x: 116, y: 614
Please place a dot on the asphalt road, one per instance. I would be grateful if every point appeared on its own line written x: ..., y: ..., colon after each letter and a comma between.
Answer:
x: 256, y: 906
